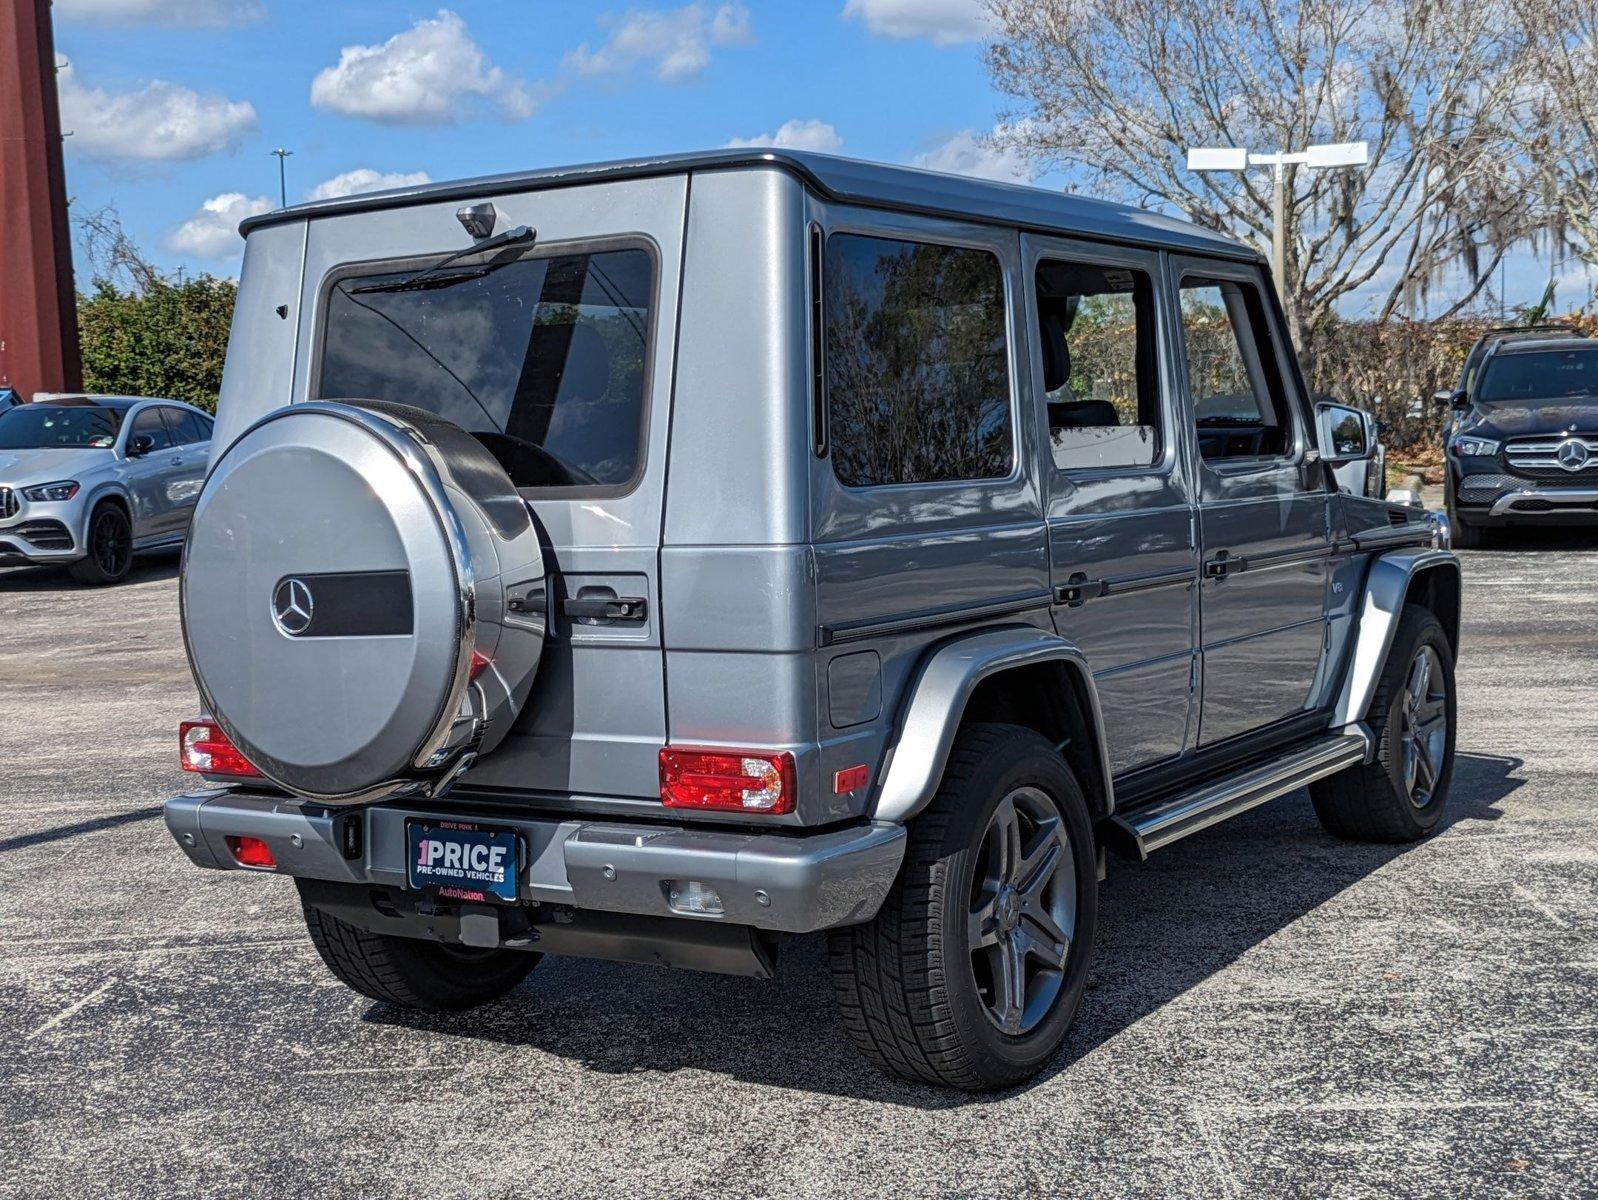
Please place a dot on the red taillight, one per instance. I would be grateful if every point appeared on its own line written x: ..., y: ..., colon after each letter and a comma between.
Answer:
x: 727, y: 780
x: 251, y: 852
x: 205, y: 749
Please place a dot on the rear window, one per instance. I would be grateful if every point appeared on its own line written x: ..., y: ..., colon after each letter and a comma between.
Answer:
x: 541, y: 357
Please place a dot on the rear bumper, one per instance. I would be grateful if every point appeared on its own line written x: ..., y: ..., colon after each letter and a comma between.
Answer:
x: 793, y: 883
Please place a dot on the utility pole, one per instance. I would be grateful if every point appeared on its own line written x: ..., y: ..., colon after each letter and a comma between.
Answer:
x: 38, y: 304
x: 282, y: 176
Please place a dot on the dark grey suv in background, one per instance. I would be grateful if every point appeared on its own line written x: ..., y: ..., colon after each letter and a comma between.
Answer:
x: 658, y: 560
x: 1521, y: 440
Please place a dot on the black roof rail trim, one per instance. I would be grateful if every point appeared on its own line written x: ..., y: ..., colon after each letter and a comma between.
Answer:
x: 845, y: 180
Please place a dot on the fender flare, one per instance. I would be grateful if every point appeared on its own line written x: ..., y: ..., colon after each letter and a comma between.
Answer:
x: 1388, y: 585
x: 937, y: 702
x: 109, y: 489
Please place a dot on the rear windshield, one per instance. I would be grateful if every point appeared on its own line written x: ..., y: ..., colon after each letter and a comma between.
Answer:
x: 1542, y: 375
x: 542, y: 357
x: 42, y: 426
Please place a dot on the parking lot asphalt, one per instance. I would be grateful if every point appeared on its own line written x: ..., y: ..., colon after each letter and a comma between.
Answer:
x: 1271, y: 1011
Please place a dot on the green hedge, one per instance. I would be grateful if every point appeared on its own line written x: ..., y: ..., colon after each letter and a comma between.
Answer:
x: 168, y: 339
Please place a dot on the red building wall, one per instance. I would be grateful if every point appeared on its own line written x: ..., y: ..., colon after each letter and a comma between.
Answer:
x: 38, y: 311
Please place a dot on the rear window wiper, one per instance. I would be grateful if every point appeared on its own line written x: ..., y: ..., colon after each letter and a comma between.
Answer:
x: 511, y: 237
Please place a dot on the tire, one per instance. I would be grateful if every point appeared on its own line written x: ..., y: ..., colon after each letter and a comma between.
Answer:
x: 109, y: 548
x: 413, y: 973
x: 912, y: 995
x: 1378, y: 801
x: 1465, y: 535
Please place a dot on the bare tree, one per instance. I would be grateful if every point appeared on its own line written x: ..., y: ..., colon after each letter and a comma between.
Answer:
x: 113, y: 255
x: 1557, y: 111
x: 1115, y: 91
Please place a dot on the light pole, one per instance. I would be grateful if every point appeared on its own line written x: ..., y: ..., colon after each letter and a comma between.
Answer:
x: 282, y: 176
x: 1340, y: 154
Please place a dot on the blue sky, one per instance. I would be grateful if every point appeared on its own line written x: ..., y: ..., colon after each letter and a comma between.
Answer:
x: 175, y: 105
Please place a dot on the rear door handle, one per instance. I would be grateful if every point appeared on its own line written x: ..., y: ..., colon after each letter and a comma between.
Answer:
x: 603, y: 610
x: 1077, y: 590
x: 1223, y: 564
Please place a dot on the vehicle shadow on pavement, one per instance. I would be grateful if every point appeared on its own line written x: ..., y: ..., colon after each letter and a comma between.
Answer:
x: 151, y: 568
x: 1165, y: 926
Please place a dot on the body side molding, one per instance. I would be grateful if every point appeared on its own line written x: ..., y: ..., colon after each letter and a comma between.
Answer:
x: 938, y: 699
x: 1386, y: 587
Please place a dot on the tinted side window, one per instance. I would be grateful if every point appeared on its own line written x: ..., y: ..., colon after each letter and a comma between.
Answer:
x: 1096, y: 331
x: 149, y: 422
x: 195, y: 427
x: 917, y: 368
x: 184, y: 426
x: 1233, y: 380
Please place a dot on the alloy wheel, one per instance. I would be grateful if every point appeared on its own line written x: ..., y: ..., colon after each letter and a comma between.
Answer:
x: 1423, y: 725
x: 110, y: 543
x: 1022, y: 911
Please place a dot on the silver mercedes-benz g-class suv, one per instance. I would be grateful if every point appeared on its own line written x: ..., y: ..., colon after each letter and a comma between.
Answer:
x: 657, y: 559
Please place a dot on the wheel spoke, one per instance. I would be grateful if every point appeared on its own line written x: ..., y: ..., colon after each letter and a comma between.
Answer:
x: 1010, y: 986
x: 982, y: 926
x: 1039, y: 864
x: 1425, y: 768
x: 1008, y: 827
x: 1045, y: 939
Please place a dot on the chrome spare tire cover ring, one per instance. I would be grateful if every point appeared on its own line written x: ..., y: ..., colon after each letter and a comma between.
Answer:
x: 1021, y: 914
x: 1423, y: 726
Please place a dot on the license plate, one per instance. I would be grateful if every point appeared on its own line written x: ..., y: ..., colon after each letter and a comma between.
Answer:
x: 464, y: 861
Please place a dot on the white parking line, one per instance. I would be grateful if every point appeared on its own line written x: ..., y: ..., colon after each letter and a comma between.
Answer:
x: 73, y: 1009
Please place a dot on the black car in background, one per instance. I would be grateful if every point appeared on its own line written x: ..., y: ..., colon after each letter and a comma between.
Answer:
x: 1521, y: 439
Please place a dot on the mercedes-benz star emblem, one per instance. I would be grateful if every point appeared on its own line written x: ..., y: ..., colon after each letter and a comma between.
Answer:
x: 292, y: 606
x: 1572, y: 454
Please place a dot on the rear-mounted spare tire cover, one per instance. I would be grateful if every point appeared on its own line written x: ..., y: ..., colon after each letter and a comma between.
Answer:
x: 363, y: 599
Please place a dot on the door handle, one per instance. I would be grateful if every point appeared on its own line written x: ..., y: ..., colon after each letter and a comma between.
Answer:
x: 1223, y: 564
x: 177, y: 462
x: 1077, y: 590
x: 602, y: 609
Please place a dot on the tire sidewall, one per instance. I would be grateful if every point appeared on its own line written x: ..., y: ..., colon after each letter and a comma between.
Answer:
x: 1005, y: 1057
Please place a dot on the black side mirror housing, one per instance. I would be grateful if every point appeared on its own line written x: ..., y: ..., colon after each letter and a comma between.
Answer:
x: 140, y: 445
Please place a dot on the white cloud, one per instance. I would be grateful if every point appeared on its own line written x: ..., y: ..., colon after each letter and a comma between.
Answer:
x: 796, y: 135
x: 162, y: 121
x: 192, y: 13
x: 970, y: 153
x: 431, y: 74
x: 213, y: 230
x: 676, y: 42
x: 364, y: 179
x: 942, y: 22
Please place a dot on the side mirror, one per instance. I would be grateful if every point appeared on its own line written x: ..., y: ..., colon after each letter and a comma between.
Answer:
x: 1450, y: 398
x: 1344, y: 434
x: 140, y: 444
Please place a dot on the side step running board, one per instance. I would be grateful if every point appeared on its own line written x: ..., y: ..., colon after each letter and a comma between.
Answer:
x: 1171, y: 820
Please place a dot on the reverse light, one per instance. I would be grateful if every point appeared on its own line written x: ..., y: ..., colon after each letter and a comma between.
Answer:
x: 251, y: 852
x: 52, y: 493
x: 1473, y: 447
x: 206, y: 750
x: 727, y: 780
